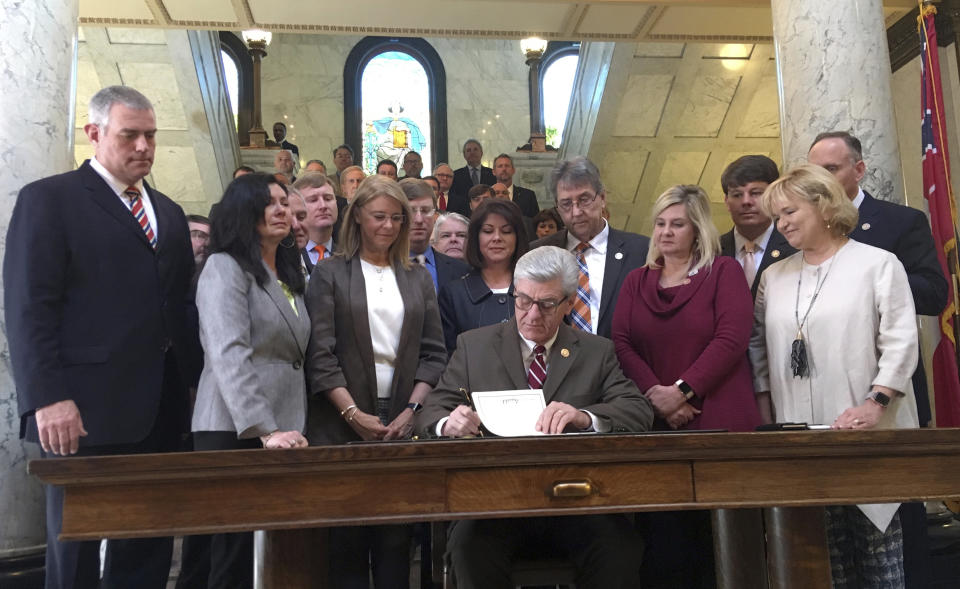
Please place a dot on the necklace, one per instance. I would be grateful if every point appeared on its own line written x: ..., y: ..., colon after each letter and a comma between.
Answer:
x: 379, y: 270
x: 798, y: 350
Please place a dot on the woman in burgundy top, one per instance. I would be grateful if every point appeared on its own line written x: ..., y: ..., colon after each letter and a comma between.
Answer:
x: 681, y: 329
x: 682, y: 322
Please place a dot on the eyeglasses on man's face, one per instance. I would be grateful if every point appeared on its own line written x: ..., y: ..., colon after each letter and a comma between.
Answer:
x: 424, y: 211
x: 524, y: 303
x: 582, y: 202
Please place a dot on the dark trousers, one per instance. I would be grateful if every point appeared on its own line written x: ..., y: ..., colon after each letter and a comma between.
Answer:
x: 142, y: 562
x: 605, y: 549
x: 354, y: 551
x: 679, y: 550
x: 230, y: 563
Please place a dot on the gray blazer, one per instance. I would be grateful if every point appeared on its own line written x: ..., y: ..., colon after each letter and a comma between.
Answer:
x: 341, y: 353
x: 582, y: 371
x: 253, y: 350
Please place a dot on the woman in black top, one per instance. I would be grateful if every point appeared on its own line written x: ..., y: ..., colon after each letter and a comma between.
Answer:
x: 496, y: 239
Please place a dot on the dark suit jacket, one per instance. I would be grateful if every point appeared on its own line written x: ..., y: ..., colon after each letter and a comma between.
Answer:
x: 587, y: 377
x: 92, y: 309
x: 777, y: 249
x: 458, y: 203
x: 462, y: 182
x: 625, y: 252
x: 468, y: 303
x: 526, y: 199
x: 448, y: 269
x: 340, y: 353
x: 905, y: 232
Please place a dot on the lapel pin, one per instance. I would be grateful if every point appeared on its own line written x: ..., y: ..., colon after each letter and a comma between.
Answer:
x: 565, y: 353
x: 775, y: 253
x: 618, y: 255
x: 865, y: 226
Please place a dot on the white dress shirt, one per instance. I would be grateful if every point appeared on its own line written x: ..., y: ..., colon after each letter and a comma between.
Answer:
x: 118, y: 188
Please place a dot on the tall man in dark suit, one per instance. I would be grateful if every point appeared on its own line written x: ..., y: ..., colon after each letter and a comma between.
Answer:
x: 584, y: 389
x: 905, y: 232
x: 605, y: 255
x: 473, y: 173
x: 96, y: 279
x: 754, y: 240
x: 525, y: 198
x: 423, y: 204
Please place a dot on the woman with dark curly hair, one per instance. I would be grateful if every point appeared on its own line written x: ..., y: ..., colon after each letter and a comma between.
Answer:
x: 496, y: 238
x: 254, y: 329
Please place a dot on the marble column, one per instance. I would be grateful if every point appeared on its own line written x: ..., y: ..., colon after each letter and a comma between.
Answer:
x: 38, y: 55
x: 833, y: 67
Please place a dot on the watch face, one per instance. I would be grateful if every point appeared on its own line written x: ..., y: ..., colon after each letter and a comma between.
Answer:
x: 881, y: 398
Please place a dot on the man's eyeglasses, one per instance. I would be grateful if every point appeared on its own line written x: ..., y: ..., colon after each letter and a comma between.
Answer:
x: 582, y: 202
x: 524, y: 303
x: 425, y: 211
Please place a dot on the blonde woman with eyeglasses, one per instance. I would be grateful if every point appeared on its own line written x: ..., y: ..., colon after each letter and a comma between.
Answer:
x: 376, y: 351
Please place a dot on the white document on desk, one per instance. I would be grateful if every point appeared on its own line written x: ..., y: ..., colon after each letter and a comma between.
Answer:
x: 510, y: 413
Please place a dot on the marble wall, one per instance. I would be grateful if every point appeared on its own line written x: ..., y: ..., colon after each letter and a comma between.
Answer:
x: 486, y: 93
x: 675, y: 113
x: 160, y: 64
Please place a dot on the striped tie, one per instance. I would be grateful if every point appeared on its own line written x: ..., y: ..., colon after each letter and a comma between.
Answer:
x: 136, y: 207
x: 537, y: 375
x: 580, y: 315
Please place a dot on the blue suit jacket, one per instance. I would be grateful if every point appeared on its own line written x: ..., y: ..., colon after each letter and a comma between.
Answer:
x: 92, y: 309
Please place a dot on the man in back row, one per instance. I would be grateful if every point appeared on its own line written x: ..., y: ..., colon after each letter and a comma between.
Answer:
x: 604, y: 255
x: 754, y: 240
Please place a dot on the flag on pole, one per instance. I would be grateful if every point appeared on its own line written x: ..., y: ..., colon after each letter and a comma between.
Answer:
x: 943, y: 218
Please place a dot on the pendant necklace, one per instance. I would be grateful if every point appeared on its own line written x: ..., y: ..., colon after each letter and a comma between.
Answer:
x: 798, y: 350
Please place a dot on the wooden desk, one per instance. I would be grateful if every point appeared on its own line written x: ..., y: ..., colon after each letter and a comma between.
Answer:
x: 203, y: 492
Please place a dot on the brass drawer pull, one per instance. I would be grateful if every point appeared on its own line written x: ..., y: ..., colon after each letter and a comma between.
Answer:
x: 572, y: 489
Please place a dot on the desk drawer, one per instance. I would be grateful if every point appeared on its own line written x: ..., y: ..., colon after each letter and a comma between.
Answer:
x: 552, y: 487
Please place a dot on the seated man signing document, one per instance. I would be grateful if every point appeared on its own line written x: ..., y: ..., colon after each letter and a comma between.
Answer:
x: 584, y: 390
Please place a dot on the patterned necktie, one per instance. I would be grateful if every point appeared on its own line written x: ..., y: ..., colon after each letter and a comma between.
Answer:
x: 580, y: 315
x: 749, y: 261
x: 321, y: 252
x: 475, y: 175
x: 443, y: 201
x: 136, y: 207
x: 537, y: 375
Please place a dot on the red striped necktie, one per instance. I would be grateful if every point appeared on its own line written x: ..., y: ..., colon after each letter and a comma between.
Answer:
x: 537, y: 375
x: 136, y: 207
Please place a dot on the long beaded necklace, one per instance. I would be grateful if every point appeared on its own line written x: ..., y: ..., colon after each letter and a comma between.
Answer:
x: 799, y: 363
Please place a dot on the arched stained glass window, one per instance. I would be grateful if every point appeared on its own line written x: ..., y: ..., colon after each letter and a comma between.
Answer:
x: 395, y: 101
x: 395, y: 107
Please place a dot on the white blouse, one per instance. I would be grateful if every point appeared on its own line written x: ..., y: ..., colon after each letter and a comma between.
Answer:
x: 861, y: 331
x: 385, y: 314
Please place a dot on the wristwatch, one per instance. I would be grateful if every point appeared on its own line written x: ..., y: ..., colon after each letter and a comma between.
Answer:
x: 414, y: 407
x: 686, y: 389
x: 879, y: 398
